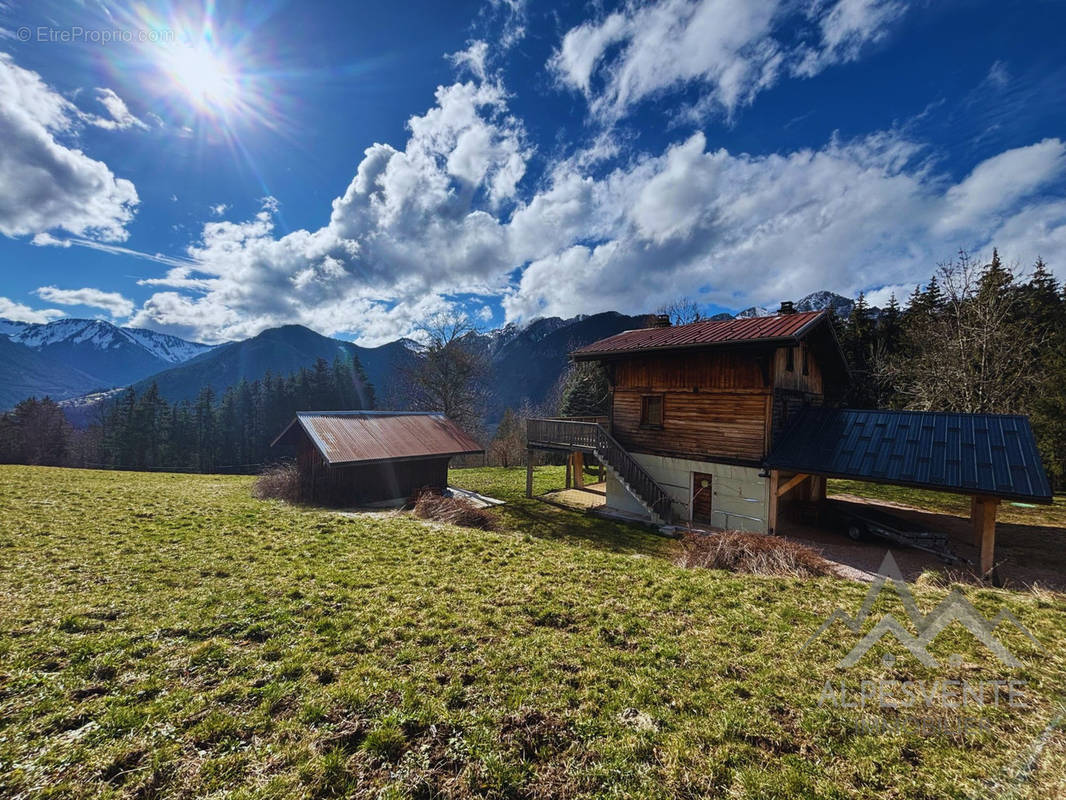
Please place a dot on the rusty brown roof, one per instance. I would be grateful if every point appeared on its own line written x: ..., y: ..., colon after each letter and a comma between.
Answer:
x: 348, y: 437
x: 698, y: 334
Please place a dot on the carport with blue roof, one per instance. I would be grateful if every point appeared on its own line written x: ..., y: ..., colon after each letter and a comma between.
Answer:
x: 990, y: 457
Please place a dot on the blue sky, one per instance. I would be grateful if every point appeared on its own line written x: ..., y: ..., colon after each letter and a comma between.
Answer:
x: 214, y: 169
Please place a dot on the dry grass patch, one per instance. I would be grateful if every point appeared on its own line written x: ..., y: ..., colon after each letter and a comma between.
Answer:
x: 431, y: 504
x: 751, y: 553
x: 278, y: 482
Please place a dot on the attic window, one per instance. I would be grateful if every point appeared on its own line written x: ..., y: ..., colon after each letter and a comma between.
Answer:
x: 806, y: 366
x: 651, y: 411
x: 790, y: 360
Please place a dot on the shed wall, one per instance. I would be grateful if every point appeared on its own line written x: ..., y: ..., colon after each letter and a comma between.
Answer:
x: 361, y: 484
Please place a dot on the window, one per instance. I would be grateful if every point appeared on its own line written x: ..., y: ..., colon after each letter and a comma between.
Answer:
x: 806, y: 368
x: 651, y: 411
x: 790, y: 359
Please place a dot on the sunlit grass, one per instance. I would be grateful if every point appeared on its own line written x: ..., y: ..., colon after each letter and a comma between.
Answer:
x: 957, y: 504
x: 169, y: 636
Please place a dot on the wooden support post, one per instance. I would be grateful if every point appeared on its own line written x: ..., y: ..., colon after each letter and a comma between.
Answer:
x: 771, y: 512
x: 579, y: 470
x: 984, y: 533
x: 529, y: 472
x: 818, y: 488
x: 569, y: 466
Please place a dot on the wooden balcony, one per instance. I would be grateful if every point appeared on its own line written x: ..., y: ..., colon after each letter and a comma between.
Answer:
x: 589, y: 435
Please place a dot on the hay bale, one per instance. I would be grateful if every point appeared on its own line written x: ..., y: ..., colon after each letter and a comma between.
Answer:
x: 751, y: 553
x: 278, y: 482
x: 431, y: 504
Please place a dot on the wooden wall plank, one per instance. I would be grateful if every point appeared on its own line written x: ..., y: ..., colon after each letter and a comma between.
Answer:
x: 725, y: 424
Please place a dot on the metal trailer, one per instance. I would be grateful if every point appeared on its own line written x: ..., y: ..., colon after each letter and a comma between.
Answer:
x: 860, y: 522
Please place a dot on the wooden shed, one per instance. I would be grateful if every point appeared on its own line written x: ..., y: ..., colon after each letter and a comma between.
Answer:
x: 351, y: 458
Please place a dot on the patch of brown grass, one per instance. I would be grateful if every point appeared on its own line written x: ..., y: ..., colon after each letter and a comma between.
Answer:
x: 278, y: 482
x: 752, y: 553
x: 431, y: 504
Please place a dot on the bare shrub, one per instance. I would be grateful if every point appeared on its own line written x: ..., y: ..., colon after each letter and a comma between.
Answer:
x: 278, y: 482
x: 753, y: 553
x: 431, y: 504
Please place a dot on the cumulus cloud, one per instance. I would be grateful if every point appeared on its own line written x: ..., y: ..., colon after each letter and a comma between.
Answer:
x: 111, y: 302
x: 751, y: 229
x: 46, y: 185
x: 412, y: 225
x: 447, y: 216
x: 17, y: 312
x: 732, y: 49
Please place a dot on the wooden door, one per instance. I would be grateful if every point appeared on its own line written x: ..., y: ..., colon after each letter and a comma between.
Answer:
x: 701, y: 497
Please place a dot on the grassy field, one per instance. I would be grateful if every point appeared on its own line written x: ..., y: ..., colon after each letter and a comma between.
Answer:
x: 170, y: 636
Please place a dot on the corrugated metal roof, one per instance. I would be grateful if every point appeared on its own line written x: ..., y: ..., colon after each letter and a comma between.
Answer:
x: 987, y: 454
x: 695, y: 334
x: 346, y: 437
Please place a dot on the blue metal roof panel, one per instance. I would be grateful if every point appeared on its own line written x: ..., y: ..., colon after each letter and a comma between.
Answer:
x: 991, y: 454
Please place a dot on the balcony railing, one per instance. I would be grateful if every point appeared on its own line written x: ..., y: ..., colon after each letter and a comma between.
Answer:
x: 590, y: 434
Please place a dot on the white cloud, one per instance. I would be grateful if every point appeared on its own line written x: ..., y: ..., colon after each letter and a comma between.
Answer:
x: 119, y: 116
x: 733, y: 49
x: 473, y: 58
x: 1001, y: 181
x: 17, y: 312
x: 111, y: 302
x: 412, y: 225
x: 754, y: 229
x: 882, y: 296
x: 846, y: 27
x: 442, y: 217
x: 513, y: 18
x: 219, y: 209
x: 46, y: 185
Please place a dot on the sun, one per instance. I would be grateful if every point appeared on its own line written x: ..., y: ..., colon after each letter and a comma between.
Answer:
x: 204, y: 75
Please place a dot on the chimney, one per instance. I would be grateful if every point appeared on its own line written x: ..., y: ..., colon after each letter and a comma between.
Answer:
x: 787, y: 307
x: 661, y: 321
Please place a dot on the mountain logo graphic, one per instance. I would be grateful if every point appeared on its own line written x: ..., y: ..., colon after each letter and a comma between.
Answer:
x: 954, y: 607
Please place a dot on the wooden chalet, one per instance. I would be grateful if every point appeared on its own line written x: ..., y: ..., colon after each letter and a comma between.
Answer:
x: 349, y: 458
x: 724, y: 423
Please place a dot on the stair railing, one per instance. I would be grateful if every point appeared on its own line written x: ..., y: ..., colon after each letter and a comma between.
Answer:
x: 593, y: 436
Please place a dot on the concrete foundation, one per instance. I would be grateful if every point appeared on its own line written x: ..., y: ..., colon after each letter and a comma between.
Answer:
x: 740, y: 498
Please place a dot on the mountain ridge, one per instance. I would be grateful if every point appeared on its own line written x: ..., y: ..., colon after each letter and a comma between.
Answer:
x: 526, y: 360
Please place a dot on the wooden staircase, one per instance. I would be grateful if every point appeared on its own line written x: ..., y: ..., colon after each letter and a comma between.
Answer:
x: 591, y: 437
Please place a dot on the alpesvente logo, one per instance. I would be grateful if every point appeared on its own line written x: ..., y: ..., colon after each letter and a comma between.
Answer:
x: 954, y: 607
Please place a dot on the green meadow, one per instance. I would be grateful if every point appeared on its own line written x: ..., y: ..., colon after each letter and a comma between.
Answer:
x: 170, y: 636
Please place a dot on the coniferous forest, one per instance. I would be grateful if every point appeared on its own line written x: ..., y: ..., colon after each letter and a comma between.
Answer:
x: 141, y: 430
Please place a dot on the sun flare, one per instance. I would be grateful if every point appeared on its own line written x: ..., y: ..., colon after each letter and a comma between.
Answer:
x: 204, y: 75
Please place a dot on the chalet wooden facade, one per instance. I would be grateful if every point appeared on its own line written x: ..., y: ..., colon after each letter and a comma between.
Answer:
x: 698, y: 408
x: 725, y: 423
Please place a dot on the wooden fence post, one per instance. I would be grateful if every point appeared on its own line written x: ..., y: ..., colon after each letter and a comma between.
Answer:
x: 529, y: 472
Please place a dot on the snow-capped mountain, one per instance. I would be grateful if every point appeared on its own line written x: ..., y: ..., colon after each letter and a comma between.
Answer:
x: 167, y: 347
x: 95, y: 354
x: 755, y: 311
x: 100, y: 335
x: 815, y: 301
